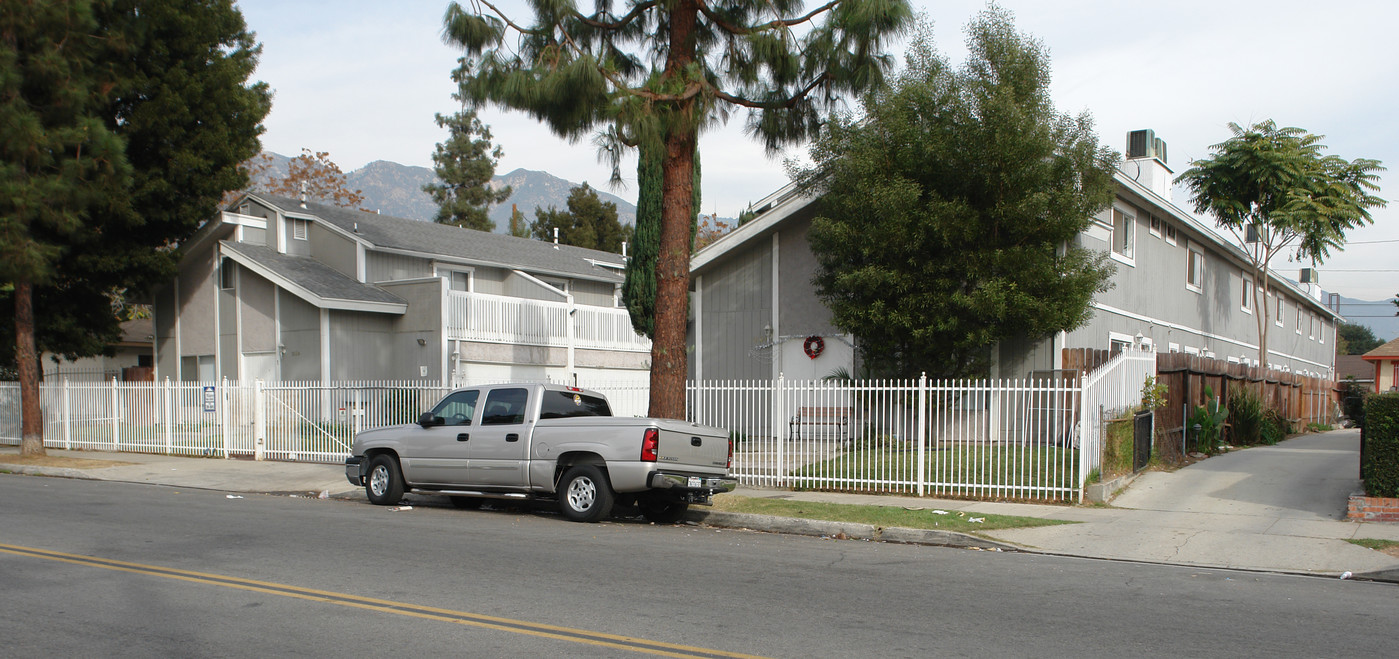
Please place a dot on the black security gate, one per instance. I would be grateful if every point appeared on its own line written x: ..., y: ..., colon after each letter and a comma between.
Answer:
x: 1141, y: 440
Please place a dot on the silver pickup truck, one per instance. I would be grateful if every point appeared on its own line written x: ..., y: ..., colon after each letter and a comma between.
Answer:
x: 525, y: 441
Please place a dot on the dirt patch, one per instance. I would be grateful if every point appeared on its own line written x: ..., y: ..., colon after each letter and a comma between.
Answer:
x: 56, y: 461
x: 1392, y: 550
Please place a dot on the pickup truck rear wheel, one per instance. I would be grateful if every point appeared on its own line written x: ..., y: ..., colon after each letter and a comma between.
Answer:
x: 661, y: 509
x: 384, y: 486
x: 584, y: 494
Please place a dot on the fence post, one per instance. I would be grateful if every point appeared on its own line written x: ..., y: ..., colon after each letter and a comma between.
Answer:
x: 259, y: 423
x: 67, y: 420
x: 356, y: 415
x: 224, y: 399
x: 921, y: 431
x: 779, y: 417
x: 169, y: 429
x: 116, y: 439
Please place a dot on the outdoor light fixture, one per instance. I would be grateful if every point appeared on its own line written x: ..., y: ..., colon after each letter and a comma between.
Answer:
x: 422, y: 342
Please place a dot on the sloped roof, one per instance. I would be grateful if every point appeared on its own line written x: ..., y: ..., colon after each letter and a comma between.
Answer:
x: 1354, y: 366
x: 1387, y: 351
x: 456, y: 243
x: 312, y: 280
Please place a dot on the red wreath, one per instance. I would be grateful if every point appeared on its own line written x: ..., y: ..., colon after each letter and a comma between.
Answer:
x: 814, y: 346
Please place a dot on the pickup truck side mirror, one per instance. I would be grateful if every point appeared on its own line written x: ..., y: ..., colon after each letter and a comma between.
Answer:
x: 427, y: 420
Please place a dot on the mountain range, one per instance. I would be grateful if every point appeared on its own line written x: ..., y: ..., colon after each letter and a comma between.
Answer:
x: 1378, y: 315
x: 394, y: 189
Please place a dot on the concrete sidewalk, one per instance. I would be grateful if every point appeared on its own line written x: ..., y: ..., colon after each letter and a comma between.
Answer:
x: 1276, y: 508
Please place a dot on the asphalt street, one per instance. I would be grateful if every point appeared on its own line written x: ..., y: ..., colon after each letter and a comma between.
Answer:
x: 120, y: 569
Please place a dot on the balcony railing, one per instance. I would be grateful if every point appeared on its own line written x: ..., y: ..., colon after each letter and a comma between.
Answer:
x: 517, y: 321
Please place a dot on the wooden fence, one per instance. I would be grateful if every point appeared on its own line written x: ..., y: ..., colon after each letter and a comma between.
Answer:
x: 1302, y: 399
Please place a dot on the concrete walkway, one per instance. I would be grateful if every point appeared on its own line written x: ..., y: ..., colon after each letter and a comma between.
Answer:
x: 1279, y: 508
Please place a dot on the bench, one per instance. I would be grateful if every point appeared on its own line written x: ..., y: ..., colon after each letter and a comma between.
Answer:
x: 838, y: 417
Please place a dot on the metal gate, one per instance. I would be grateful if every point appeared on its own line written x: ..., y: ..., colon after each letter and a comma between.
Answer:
x: 1141, y: 440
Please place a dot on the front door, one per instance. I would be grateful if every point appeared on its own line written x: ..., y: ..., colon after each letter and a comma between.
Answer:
x: 500, y: 444
x: 439, y: 454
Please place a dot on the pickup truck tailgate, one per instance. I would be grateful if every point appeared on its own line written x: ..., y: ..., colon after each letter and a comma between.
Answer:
x: 688, y: 446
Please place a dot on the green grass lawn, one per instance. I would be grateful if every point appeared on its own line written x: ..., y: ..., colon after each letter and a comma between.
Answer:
x: 881, y: 516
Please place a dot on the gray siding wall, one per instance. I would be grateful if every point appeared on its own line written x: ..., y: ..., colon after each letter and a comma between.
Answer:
x: 167, y: 360
x: 333, y: 250
x: 228, y: 333
x: 255, y: 236
x: 490, y: 281
x: 737, y: 305
x: 300, y: 339
x: 593, y: 293
x: 801, y: 311
x: 379, y: 266
x: 196, y: 306
x: 361, y: 346
x: 259, y: 308
x: 296, y: 247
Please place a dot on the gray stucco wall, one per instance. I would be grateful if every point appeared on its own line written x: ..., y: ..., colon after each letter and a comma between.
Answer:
x: 228, y: 333
x: 167, y: 360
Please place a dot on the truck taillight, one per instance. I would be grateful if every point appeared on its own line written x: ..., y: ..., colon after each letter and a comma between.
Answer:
x: 730, y: 463
x: 649, y: 443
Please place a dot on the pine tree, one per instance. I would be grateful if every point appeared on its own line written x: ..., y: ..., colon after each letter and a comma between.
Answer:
x: 656, y: 73
x: 947, y: 212
x: 465, y: 164
x: 589, y: 222
x: 519, y: 226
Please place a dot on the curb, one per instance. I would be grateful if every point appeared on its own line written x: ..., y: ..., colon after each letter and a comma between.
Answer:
x: 844, y: 530
x: 55, y: 472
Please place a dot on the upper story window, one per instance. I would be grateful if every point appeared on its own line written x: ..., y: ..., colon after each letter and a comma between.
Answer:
x: 1170, y: 233
x: 1194, y: 269
x: 1277, y: 315
x: 1246, y: 300
x: 1124, y: 239
x: 458, y: 278
x: 300, y: 228
x: 1155, y: 226
x: 1299, y: 319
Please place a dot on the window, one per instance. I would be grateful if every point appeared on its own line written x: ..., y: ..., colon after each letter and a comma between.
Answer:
x: 567, y: 404
x: 1170, y: 233
x: 1194, y: 270
x: 1299, y: 319
x: 505, y: 407
x: 1321, y: 336
x: 457, y: 408
x: 1311, y: 325
x: 1123, y: 240
x: 1189, y: 350
x: 1173, y: 347
x: 458, y: 278
x: 1155, y: 226
x: 299, y: 229
x: 228, y: 276
x: 1277, y: 317
x: 1246, y: 301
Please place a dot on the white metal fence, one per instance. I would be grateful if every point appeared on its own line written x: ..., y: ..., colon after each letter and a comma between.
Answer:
x: 1014, y: 439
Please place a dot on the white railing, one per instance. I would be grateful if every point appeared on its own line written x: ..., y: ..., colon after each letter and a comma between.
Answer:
x: 1002, y: 439
x: 1110, y: 390
x: 501, y: 319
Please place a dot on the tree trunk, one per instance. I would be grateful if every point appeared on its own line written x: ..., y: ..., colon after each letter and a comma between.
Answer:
x: 27, y: 358
x: 669, y: 360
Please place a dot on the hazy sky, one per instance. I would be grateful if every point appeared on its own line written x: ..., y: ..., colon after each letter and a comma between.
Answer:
x: 362, y: 79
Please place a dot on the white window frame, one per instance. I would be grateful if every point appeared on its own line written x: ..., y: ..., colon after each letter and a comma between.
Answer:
x: 1311, y: 325
x: 1127, y: 244
x: 1321, y: 331
x: 1155, y: 226
x: 1246, y: 301
x: 1278, y: 300
x: 1170, y: 233
x: 300, y: 229
x: 1172, y: 347
x: 1192, y: 350
x: 447, y: 271
x: 1299, y: 319
x: 1191, y: 254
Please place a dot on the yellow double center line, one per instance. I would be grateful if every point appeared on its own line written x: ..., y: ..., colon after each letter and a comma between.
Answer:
x: 383, y: 606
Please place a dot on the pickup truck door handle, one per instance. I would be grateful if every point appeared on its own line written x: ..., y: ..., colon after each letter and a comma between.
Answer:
x: 462, y: 437
x: 512, y: 437
x: 695, y: 441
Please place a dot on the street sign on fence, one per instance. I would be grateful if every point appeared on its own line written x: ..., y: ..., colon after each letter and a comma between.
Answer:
x: 208, y: 399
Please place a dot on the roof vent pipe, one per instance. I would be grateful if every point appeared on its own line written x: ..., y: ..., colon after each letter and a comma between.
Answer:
x: 556, y: 237
x: 303, y: 194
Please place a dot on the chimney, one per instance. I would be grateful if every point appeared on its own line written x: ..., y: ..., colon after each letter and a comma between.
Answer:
x: 1146, y: 162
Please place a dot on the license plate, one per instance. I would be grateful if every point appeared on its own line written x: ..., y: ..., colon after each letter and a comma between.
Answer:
x: 696, y: 481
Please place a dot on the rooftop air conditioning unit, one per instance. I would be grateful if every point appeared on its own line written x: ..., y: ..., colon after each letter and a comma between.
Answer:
x: 1145, y: 144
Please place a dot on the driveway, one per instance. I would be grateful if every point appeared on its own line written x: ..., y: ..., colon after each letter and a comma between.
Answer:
x: 1267, y: 508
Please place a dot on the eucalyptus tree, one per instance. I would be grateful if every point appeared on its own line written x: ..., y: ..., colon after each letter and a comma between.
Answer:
x: 658, y: 73
x: 1277, y: 194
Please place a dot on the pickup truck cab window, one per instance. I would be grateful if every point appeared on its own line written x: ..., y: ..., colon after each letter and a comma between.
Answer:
x: 505, y: 407
x: 458, y: 408
x: 568, y: 404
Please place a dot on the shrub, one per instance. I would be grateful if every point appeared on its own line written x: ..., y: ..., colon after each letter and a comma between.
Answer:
x: 1380, y: 464
x: 1245, y: 417
x: 1117, y: 447
x: 1276, y: 427
x: 1353, y: 396
x: 1210, y: 418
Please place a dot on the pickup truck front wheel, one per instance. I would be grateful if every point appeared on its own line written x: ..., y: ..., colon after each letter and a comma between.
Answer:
x: 584, y: 494
x: 384, y: 484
